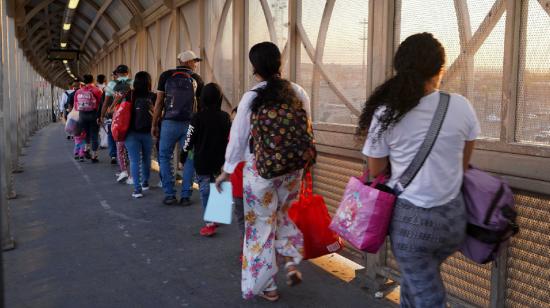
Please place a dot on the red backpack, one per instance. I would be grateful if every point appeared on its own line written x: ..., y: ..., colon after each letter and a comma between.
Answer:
x: 121, y: 120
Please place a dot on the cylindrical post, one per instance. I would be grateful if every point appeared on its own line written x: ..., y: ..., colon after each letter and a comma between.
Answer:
x: 7, y: 240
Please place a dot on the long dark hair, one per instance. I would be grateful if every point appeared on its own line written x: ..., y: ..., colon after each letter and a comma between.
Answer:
x: 419, y: 58
x: 142, y: 84
x: 266, y: 62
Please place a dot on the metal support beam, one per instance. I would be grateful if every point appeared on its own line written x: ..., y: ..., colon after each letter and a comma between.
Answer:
x: 107, y: 17
x: 294, y: 18
x: 103, y: 8
x: 133, y: 6
x: 7, y: 239
x: 380, y: 55
x: 41, y: 5
x: 239, y: 50
x: 89, y: 22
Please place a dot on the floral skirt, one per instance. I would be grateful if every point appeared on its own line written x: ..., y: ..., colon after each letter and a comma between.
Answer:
x: 268, y: 229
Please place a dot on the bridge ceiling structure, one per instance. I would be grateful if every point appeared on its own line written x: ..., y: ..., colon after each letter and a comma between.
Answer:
x: 94, y: 23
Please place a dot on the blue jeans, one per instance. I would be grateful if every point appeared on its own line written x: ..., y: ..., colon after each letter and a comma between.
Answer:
x: 172, y: 132
x: 88, y: 123
x: 139, y: 146
x: 204, y: 187
x: 112, y: 143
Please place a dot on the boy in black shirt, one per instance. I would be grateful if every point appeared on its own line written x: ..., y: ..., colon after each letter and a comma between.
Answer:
x: 208, y: 136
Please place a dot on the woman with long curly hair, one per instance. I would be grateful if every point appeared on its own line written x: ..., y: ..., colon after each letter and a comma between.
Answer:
x: 268, y: 229
x: 429, y: 219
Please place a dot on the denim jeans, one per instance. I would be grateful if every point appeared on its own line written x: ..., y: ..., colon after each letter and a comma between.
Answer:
x: 173, y: 132
x: 139, y: 146
x: 88, y: 123
x: 204, y: 187
x: 112, y: 143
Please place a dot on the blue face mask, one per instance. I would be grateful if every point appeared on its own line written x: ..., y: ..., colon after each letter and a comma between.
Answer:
x: 123, y: 78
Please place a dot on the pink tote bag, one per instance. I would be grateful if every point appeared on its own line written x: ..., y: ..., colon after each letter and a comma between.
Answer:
x: 364, y: 214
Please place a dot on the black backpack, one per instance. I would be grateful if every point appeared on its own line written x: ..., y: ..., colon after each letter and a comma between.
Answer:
x: 180, y: 96
x: 70, y: 100
x: 122, y: 87
x: 143, y: 113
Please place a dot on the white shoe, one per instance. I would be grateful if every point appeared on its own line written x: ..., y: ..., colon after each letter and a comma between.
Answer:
x: 130, y: 181
x: 137, y: 195
x: 123, y: 176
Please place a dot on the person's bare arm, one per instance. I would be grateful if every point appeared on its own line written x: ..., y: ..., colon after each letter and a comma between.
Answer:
x: 104, y: 107
x: 157, y: 113
x: 468, y: 150
x: 377, y: 165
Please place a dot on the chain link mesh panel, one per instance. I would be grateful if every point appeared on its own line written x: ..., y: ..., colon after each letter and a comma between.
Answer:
x: 533, y: 108
x: 220, y: 58
x: 478, y: 75
x: 339, y: 77
x: 259, y: 26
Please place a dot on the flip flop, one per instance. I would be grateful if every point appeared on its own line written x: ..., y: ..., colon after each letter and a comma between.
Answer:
x: 271, y: 298
x: 293, y: 277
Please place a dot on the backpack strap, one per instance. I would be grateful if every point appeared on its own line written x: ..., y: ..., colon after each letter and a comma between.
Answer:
x: 184, y: 74
x: 426, y: 147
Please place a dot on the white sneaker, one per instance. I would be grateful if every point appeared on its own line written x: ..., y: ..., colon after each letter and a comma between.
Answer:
x: 137, y: 195
x: 130, y: 181
x: 123, y: 176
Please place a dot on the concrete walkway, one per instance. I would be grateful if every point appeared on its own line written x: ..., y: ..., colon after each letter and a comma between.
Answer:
x: 82, y: 241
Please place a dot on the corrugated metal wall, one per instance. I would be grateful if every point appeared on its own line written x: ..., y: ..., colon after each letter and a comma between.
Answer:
x: 528, y: 266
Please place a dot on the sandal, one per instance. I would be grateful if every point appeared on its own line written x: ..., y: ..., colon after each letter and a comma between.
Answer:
x: 270, y: 293
x: 293, y: 276
x: 271, y: 296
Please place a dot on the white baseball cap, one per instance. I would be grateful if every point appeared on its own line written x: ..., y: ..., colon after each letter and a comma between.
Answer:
x: 188, y: 55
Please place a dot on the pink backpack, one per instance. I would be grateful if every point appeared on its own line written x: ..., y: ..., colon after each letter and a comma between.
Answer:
x: 86, y: 100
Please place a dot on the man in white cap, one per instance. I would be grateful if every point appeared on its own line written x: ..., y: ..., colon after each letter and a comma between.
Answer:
x: 178, y: 94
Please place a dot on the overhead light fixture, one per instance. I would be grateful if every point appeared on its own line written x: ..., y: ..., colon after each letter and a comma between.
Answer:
x: 66, y: 27
x: 65, y: 61
x: 73, y: 4
x: 63, y: 45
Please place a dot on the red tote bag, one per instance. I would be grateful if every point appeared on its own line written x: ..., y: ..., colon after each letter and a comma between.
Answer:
x: 121, y: 120
x: 310, y: 215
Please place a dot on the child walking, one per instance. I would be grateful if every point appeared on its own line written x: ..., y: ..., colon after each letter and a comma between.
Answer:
x: 208, y: 137
x: 80, y: 146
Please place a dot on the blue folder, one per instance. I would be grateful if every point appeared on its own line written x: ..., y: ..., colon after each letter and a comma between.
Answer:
x: 220, y: 205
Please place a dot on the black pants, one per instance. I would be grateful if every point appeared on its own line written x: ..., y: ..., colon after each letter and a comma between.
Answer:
x: 88, y: 124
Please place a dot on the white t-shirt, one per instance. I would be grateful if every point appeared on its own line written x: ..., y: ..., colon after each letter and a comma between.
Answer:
x: 238, y: 147
x: 440, y: 178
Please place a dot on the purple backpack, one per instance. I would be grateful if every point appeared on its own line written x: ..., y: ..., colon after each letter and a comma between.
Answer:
x: 491, y: 215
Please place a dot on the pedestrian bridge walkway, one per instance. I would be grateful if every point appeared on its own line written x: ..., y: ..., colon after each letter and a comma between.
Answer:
x: 83, y: 241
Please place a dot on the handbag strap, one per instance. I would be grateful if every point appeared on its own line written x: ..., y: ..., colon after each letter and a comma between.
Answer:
x: 306, y: 189
x: 426, y: 147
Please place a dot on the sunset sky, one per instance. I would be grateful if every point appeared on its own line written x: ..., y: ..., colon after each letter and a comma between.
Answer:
x: 344, y: 44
